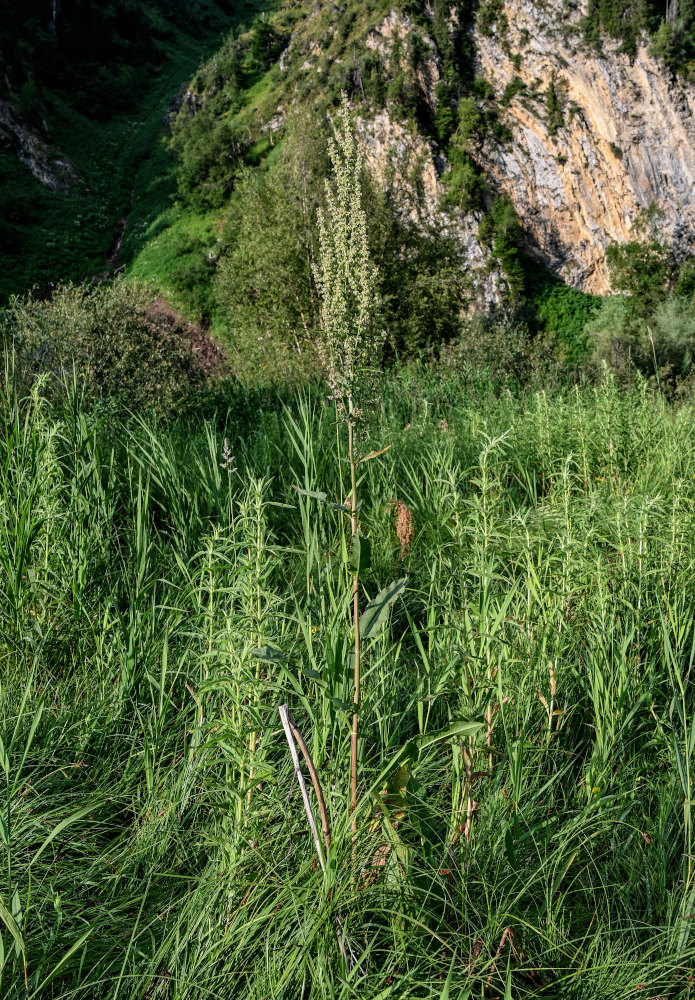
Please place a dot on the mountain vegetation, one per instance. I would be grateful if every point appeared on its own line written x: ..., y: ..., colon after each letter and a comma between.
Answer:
x: 346, y: 615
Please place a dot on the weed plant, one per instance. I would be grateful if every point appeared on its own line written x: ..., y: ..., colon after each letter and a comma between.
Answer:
x: 153, y: 840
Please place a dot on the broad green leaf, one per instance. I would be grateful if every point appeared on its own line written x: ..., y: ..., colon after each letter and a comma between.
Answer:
x: 461, y: 728
x: 346, y: 508
x: 314, y: 675
x: 410, y: 751
x: 4, y: 759
x: 269, y: 654
x: 340, y: 703
x: 376, y: 612
x: 361, y: 554
x: 313, y: 494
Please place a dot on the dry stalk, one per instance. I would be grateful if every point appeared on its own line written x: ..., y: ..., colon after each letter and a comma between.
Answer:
x: 326, y: 830
x: 287, y: 726
x: 291, y: 733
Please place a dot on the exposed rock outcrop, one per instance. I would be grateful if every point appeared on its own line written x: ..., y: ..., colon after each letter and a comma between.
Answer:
x: 46, y: 162
x: 617, y: 136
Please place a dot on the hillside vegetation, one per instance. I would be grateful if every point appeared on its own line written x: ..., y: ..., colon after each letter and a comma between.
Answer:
x: 94, y: 86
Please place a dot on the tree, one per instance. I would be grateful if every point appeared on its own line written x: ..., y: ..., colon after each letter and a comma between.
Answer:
x: 264, y: 287
x: 643, y: 267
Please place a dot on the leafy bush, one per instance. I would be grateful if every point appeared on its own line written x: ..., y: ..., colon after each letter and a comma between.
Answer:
x: 210, y: 148
x: 501, y: 231
x: 264, y: 285
x: 504, y: 346
x: 127, y: 351
x: 465, y: 183
x: 642, y: 269
x: 560, y: 310
x: 266, y: 44
x: 661, y: 345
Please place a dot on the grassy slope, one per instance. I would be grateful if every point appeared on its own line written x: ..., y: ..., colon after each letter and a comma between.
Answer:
x: 173, y: 236
x: 151, y: 848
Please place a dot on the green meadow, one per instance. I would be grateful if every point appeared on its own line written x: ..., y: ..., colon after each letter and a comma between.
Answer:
x: 527, y: 726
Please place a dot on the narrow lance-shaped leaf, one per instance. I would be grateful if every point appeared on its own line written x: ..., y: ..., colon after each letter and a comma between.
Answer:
x: 376, y: 612
x: 11, y: 924
x: 411, y: 750
x: 460, y: 728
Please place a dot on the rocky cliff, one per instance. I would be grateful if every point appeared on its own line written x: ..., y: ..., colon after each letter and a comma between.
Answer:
x: 617, y: 136
x: 46, y: 161
x: 589, y: 140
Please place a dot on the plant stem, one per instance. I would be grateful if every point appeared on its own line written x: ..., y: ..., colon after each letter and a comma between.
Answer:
x: 356, y: 623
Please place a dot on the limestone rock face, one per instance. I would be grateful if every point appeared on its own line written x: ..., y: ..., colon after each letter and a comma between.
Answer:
x: 622, y: 140
x: 46, y: 162
x: 404, y: 162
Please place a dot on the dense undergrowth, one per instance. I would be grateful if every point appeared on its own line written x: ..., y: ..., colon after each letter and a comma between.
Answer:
x: 155, y: 844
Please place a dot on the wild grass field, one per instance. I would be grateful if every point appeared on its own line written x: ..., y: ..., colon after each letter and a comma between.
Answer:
x: 156, y: 842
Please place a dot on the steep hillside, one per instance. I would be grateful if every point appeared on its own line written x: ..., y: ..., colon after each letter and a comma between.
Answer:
x: 594, y: 138
x: 83, y: 91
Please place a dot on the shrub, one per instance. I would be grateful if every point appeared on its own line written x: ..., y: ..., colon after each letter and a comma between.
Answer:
x: 661, y: 345
x: 643, y: 267
x: 210, y: 150
x: 504, y: 346
x: 126, y: 350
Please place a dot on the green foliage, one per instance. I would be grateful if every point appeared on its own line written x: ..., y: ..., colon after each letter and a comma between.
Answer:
x: 209, y: 149
x: 554, y: 104
x: 502, y: 233
x: 124, y: 350
x: 489, y: 14
x: 505, y: 346
x: 660, y: 344
x: 46, y: 236
x: 103, y: 55
x: 376, y: 613
x: 670, y: 32
x: 266, y: 44
x: 515, y: 86
x: 423, y: 282
x: 444, y: 122
x: 560, y: 311
x: 643, y: 267
x: 465, y: 183
x: 651, y: 327
x: 264, y: 290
